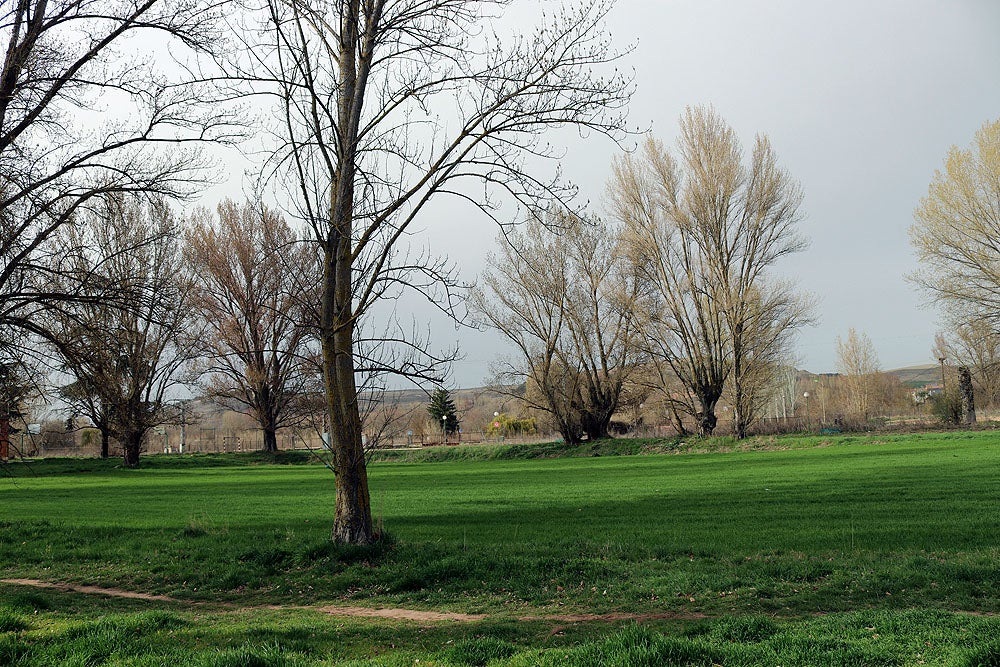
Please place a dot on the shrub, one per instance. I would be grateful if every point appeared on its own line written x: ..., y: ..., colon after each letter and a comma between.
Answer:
x: 947, y: 407
x: 506, y: 425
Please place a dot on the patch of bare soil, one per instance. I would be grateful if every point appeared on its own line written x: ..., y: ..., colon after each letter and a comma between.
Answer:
x: 403, y: 614
x: 617, y: 616
x: 365, y: 612
x: 90, y: 590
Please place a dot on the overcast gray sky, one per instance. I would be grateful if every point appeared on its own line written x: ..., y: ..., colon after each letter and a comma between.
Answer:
x: 861, y: 99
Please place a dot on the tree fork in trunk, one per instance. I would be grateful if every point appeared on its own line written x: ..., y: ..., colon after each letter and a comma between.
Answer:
x: 707, y: 420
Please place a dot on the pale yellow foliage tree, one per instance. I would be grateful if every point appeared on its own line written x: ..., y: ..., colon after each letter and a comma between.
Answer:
x: 704, y: 226
x: 858, y: 363
x: 956, y: 233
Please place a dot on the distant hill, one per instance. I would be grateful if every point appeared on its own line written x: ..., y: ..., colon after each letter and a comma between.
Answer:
x: 918, y: 376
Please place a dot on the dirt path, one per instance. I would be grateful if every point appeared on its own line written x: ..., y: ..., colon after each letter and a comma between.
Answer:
x: 360, y: 612
x: 90, y: 590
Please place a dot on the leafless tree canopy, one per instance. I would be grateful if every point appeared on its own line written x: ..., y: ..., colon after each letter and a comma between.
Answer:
x: 253, y: 282
x: 975, y: 344
x: 561, y: 294
x: 125, y: 358
x: 704, y: 229
x: 385, y: 105
x: 81, y: 118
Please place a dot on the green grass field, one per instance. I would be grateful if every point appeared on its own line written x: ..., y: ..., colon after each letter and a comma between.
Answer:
x: 877, y: 550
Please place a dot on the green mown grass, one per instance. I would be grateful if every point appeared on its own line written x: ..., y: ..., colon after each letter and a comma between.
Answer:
x: 129, y: 634
x: 896, y: 527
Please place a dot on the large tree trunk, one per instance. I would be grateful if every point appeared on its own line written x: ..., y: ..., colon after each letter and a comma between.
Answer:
x: 596, y: 426
x: 105, y: 449
x: 570, y: 435
x: 707, y: 421
x: 352, y: 522
x: 270, y: 440
x: 743, y: 414
x: 740, y: 426
x: 131, y: 448
x: 597, y: 416
x: 265, y: 412
x: 968, y: 398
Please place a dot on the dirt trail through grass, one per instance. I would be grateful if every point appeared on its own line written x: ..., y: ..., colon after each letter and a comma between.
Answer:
x: 420, y: 616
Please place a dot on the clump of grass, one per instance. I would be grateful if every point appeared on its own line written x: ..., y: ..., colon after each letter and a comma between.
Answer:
x: 479, y: 651
x: 640, y: 646
x: 744, y: 629
x: 12, y: 622
x: 12, y: 650
x: 987, y: 655
x: 150, y: 621
x: 249, y: 655
x: 29, y: 603
x: 194, y: 530
x: 271, y: 560
x: 348, y: 554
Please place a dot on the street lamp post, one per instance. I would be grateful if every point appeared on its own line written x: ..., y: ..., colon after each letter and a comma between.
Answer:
x: 805, y: 395
x: 941, y: 359
x: 444, y: 428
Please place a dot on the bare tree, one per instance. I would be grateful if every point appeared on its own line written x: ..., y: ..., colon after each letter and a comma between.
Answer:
x: 384, y: 106
x: 704, y: 229
x: 85, y: 398
x: 784, y: 391
x: 79, y: 121
x: 762, y: 325
x: 975, y: 344
x: 250, y: 272
x: 126, y: 359
x: 858, y: 362
x: 561, y: 294
x: 956, y: 232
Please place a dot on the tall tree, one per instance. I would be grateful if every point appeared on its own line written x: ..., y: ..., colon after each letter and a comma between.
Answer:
x: 126, y: 358
x: 762, y: 325
x: 968, y: 395
x: 80, y: 119
x: 442, y: 411
x: 858, y: 362
x: 17, y: 391
x: 86, y: 398
x: 703, y: 230
x: 956, y: 230
x: 251, y: 275
x: 562, y: 295
x: 387, y: 104
x: 976, y: 345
